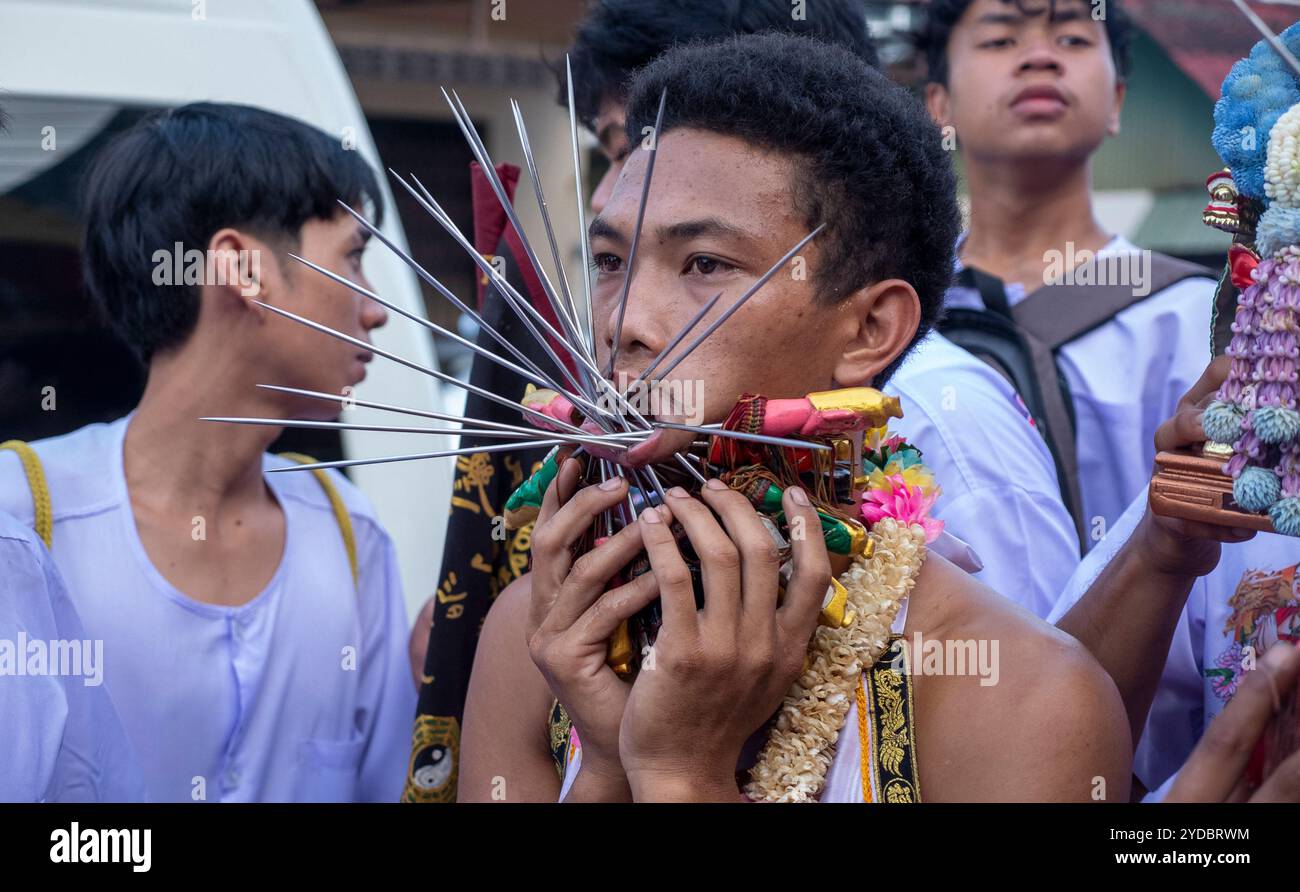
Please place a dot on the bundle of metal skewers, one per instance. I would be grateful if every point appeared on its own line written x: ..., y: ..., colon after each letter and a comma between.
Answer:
x: 765, y: 445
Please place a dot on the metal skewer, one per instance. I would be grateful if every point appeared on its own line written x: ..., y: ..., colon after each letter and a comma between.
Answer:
x: 615, y: 440
x: 469, y: 450
x: 537, y: 379
x: 433, y: 373
x: 636, y: 230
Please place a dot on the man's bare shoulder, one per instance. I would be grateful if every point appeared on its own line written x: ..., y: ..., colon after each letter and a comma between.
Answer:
x: 998, y: 688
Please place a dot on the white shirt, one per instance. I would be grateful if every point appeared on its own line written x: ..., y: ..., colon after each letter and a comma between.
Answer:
x: 1126, y: 378
x: 303, y: 693
x: 1000, y: 493
x: 64, y: 741
x: 1206, y: 656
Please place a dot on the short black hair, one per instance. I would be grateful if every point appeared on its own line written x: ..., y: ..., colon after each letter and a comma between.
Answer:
x: 619, y: 36
x: 181, y: 175
x: 943, y: 15
x: 870, y: 162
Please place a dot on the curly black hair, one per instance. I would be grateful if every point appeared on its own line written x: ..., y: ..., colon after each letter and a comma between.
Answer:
x: 182, y: 174
x: 870, y: 162
x: 943, y: 15
x: 619, y: 36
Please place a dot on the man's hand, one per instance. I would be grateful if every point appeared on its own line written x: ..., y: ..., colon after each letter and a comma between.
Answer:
x: 719, y: 673
x: 1182, y: 547
x: 1213, y: 772
x: 573, y: 616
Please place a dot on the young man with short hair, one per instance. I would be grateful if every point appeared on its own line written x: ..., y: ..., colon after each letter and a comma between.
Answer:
x: 1031, y: 89
x: 766, y: 137
x: 253, y: 624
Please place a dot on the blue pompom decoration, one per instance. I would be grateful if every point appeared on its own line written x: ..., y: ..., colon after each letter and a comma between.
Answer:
x: 1278, y: 227
x: 1276, y: 424
x: 1222, y: 422
x: 1257, y: 91
x: 1256, y: 489
x: 1285, y: 515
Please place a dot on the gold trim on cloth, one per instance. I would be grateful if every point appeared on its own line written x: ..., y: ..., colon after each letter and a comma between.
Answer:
x: 895, y: 776
x: 557, y: 731
x: 431, y: 774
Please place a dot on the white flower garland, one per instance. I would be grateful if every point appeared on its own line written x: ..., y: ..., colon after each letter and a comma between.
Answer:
x: 793, y: 763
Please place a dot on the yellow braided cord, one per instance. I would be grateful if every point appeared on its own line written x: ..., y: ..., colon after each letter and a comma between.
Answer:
x: 40, y: 490
x: 336, y: 502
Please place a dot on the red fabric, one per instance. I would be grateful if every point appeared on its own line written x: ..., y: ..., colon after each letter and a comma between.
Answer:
x: 1243, y: 262
x: 490, y: 226
x: 489, y: 217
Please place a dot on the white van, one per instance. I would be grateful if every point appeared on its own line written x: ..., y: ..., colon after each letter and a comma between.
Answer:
x: 73, y: 73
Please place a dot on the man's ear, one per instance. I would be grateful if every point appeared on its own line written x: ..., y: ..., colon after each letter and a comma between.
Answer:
x: 881, y: 320
x: 1121, y: 91
x: 236, y: 270
x: 936, y: 103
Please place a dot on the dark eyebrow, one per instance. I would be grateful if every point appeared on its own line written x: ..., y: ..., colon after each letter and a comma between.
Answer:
x: 1000, y: 18
x: 674, y: 232
x: 601, y: 228
x: 1058, y: 12
x: 690, y: 229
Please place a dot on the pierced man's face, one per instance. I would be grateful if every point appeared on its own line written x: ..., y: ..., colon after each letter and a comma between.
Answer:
x: 1023, y: 87
x: 720, y: 214
x: 313, y: 360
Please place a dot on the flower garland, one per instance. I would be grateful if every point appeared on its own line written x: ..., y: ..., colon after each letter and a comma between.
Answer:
x: 793, y: 764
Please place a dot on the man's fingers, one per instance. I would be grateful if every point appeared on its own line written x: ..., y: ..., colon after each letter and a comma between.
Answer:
x: 760, y: 558
x: 1210, y: 381
x: 812, y: 565
x: 1283, y: 785
x: 719, y: 557
x: 591, y: 572
x: 599, y: 621
x: 1183, y: 429
x: 1213, y: 769
x: 676, y: 591
x: 555, y: 536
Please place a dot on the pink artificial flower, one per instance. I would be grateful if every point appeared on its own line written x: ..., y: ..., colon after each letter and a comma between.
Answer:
x: 906, y: 504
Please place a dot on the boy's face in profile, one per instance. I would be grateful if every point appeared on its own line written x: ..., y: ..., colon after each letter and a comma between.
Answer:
x: 721, y: 213
x: 1023, y: 86
x: 298, y: 356
x: 612, y: 136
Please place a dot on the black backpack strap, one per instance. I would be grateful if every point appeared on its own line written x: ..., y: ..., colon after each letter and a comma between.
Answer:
x: 1031, y: 369
x: 1059, y: 314
x: 1056, y: 409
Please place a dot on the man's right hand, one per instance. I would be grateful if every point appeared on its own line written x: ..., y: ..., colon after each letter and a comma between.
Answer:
x: 1182, y: 547
x: 573, y: 616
